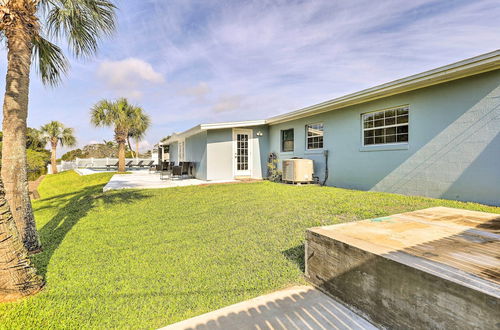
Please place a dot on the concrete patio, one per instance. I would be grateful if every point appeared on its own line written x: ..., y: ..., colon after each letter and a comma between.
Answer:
x: 299, y: 307
x: 143, y: 179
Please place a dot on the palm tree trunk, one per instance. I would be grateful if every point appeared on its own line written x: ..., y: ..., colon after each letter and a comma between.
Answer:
x: 121, y: 138
x: 121, y: 156
x: 53, y: 159
x: 18, y: 276
x: 15, y: 112
x: 137, y: 148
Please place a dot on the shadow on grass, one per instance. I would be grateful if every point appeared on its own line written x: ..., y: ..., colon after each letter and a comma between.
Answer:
x: 296, y: 254
x: 70, y: 211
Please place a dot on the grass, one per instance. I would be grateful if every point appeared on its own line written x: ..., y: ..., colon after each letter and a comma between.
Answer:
x: 145, y: 259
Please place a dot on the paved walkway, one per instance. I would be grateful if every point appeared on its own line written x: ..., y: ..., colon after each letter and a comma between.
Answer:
x: 299, y: 307
x: 147, y: 180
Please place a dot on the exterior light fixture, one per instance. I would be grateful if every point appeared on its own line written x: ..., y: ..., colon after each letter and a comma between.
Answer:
x: 259, y: 133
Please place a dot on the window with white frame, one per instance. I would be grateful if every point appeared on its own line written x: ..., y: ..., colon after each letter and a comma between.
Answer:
x: 385, y: 127
x: 314, y: 136
x: 181, y: 150
x: 287, y: 140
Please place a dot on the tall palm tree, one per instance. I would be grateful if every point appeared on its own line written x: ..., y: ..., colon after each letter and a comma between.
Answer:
x: 138, y: 132
x: 24, y: 26
x: 18, y: 277
x: 56, y: 133
x: 123, y: 117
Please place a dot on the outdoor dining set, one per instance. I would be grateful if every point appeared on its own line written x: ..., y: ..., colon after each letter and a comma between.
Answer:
x: 169, y: 170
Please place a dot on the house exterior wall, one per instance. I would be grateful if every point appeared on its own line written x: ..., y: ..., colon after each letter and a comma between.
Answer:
x: 196, y: 151
x: 220, y: 153
x: 174, y: 153
x: 453, y: 150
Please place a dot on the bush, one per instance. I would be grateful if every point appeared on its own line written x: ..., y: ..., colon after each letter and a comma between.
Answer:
x: 274, y: 174
x: 37, y: 163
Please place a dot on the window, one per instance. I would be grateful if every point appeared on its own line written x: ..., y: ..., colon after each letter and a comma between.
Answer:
x: 181, y: 149
x: 314, y: 136
x: 385, y: 127
x: 287, y: 140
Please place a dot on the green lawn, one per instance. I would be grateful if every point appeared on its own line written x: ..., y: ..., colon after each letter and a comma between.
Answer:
x: 145, y: 259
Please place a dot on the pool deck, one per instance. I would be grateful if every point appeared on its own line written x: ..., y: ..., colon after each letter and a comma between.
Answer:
x: 143, y: 179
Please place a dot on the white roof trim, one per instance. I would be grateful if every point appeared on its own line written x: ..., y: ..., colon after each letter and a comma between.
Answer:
x: 205, y: 127
x: 468, y: 67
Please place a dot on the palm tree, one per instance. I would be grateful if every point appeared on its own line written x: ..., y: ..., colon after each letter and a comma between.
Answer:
x: 123, y: 117
x: 24, y: 26
x: 138, y: 132
x: 18, y: 277
x: 56, y: 133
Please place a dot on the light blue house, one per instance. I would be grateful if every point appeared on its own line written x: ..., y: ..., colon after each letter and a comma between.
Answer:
x: 433, y: 134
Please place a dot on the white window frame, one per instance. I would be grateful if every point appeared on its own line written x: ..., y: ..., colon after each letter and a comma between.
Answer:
x: 363, y: 129
x: 307, y: 137
x: 181, y: 150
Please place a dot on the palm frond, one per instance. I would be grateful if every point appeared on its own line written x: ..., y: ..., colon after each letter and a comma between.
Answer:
x: 49, y: 60
x: 82, y: 22
x: 55, y: 131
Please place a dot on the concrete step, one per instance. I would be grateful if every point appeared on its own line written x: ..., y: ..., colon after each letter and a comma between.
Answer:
x: 430, y: 269
x: 299, y: 307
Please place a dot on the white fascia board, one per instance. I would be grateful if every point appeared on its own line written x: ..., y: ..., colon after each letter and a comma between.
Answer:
x: 465, y: 68
x: 205, y: 127
x: 233, y: 124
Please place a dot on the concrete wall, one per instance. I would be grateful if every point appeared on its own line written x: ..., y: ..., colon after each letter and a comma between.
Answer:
x: 220, y: 154
x: 196, y: 151
x: 396, y: 295
x: 453, y: 150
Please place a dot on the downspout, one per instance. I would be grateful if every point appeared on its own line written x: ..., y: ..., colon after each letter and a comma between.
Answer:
x: 325, y: 153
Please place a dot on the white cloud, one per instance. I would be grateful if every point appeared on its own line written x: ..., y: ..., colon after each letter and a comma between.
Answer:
x: 227, y: 103
x: 198, y: 92
x: 128, y: 76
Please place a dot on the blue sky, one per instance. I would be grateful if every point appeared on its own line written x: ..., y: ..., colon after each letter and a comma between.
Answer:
x: 187, y: 62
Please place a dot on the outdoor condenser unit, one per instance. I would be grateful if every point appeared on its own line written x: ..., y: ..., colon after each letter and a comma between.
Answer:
x: 297, y: 170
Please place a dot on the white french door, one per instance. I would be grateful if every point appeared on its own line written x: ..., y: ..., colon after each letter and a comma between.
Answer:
x: 242, y: 150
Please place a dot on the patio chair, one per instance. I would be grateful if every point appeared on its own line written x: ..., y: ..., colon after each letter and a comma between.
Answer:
x: 165, y: 169
x: 108, y: 167
x: 139, y: 164
x: 129, y: 164
x: 187, y: 168
x: 177, y: 170
x: 154, y: 167
x: 148, y: 165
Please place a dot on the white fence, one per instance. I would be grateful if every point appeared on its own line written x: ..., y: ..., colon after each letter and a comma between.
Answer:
x: 98, y: 163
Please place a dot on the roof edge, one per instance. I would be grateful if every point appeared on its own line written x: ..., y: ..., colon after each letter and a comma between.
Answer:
x: 205, y: 127
x: 468, y: 67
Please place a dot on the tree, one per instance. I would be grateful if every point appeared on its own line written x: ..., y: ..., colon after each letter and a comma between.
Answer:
x: 56, y: 133
x: 18, y: 277
x: 123, y: 117
x: 138, y: 132
x: 24, y: 26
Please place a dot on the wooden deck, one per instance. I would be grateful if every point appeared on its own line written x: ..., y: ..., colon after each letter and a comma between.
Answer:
x: 433, y: 247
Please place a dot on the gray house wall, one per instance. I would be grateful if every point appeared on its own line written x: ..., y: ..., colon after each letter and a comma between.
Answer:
x: 196, y: 151
x: 220, y: 154
x: 174, y: 152
x: 453, y: 150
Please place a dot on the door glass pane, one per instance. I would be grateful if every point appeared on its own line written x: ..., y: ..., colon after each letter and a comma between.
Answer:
x: 242, y: 152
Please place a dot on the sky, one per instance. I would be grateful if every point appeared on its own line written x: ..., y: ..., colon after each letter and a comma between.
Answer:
x: 187, y: 62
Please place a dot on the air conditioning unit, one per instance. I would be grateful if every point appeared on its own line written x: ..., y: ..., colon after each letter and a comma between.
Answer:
x: 297, y: 170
